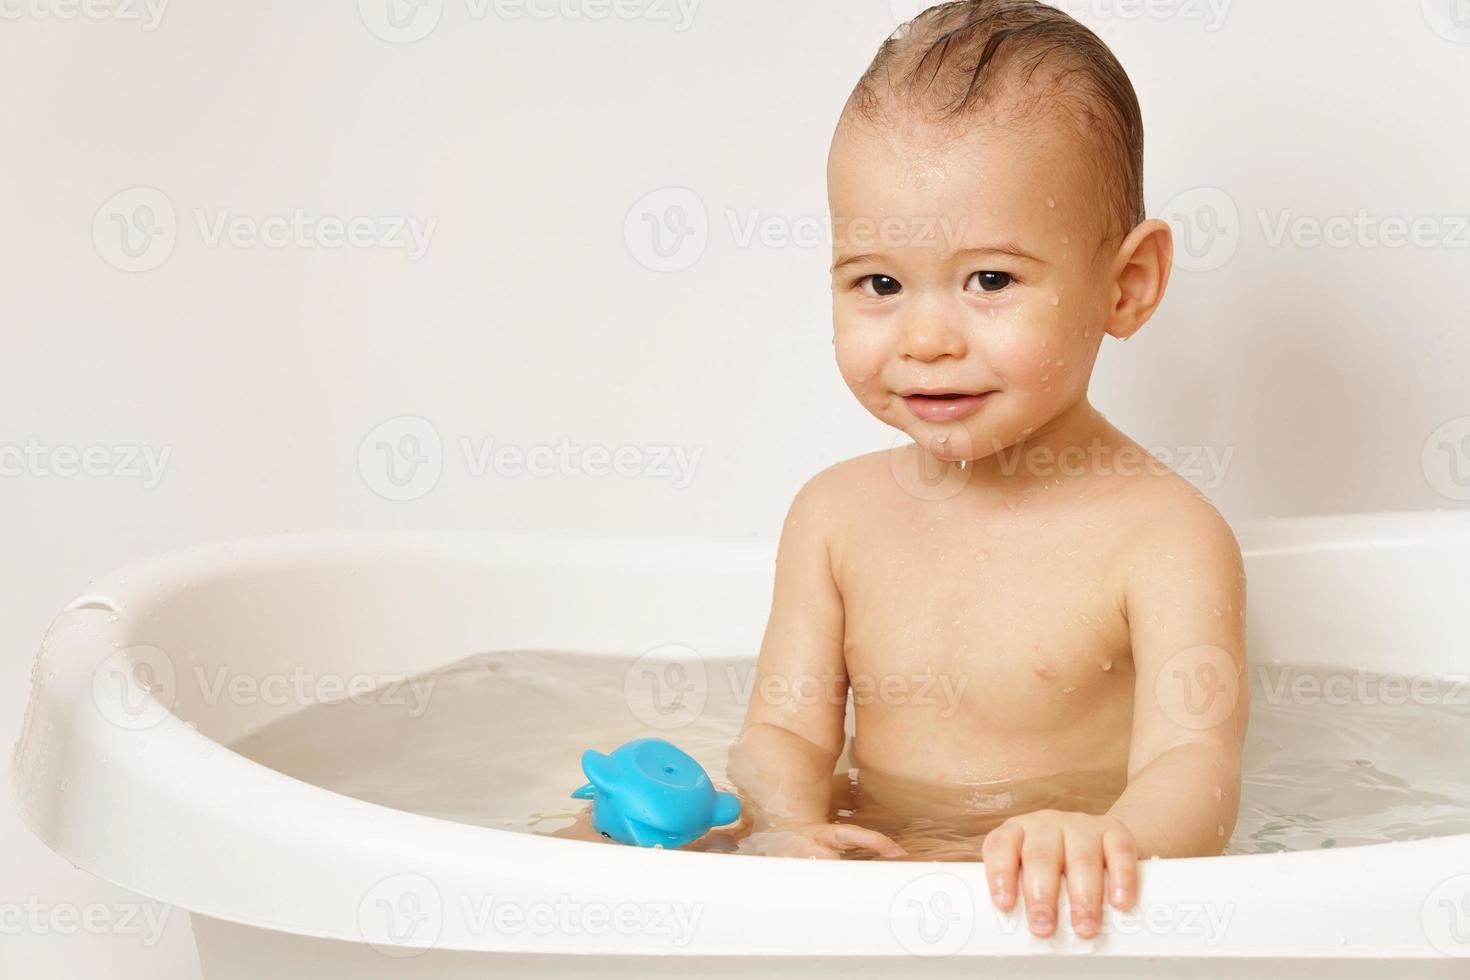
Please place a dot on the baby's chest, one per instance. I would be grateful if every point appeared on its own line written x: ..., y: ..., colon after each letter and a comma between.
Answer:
x: 1031, y: 624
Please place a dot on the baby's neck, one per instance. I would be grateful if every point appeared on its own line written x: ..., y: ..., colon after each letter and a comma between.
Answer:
x: 1078, y: 446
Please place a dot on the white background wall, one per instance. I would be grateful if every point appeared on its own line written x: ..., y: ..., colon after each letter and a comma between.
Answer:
x: 1324, y: 374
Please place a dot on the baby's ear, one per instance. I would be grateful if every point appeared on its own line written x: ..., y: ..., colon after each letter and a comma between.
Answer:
x: 1145, y: 259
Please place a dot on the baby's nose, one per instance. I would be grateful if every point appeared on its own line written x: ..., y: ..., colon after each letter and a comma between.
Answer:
x: 928, y: 337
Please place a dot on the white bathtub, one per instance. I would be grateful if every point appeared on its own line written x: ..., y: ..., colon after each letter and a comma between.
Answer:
x: 284, y: 879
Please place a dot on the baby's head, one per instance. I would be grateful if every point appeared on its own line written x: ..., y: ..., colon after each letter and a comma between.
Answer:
x: 986, y: 186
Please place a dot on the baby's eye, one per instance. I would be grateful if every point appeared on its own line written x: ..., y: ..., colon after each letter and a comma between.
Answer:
x: 879, y: 285
x: 990, y: 282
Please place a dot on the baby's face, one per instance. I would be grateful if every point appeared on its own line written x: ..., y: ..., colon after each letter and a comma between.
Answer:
x: 969, y: 268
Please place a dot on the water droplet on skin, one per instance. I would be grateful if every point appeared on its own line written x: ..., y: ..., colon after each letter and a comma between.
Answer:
x: 1056, y: 301
x: 983, y: 555
x: 1068, y: 690
x: 1107, y: 665
x: 1217, y: 794
x: 1220, y: 829
x: 1051, y: 202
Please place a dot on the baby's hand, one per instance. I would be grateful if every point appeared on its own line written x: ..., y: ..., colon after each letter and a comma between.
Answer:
x: 819, y: 840
x: 1047, y: 843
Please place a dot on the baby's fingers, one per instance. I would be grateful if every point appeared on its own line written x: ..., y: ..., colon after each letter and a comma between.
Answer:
x: 1120, y: 851
x: 845, y: 836
x: 1084, y: 880
x: 1001, y: 852
x: 1041, y: 872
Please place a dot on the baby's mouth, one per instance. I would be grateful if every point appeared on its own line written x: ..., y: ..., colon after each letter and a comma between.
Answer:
x: 943, y: 404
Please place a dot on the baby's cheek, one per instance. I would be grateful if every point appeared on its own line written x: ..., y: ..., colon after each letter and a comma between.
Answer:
x: 859, y: 358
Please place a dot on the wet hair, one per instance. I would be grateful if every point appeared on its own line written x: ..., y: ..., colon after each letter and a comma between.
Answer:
x: 971, y: 60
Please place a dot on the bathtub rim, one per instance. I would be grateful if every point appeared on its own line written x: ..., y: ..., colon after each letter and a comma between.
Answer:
x: 76, y: 632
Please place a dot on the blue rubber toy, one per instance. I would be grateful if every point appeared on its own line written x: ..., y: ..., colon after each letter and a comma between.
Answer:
x: 652, y: 794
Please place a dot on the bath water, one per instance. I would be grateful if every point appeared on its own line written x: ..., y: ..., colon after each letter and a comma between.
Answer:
x: 1330, y: 761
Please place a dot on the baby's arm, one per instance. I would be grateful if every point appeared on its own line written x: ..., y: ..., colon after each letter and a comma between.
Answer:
x: 782, y: 762
x: 1185, y: 603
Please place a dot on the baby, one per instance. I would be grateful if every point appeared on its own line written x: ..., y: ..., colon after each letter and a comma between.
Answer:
x: 1041, y: 626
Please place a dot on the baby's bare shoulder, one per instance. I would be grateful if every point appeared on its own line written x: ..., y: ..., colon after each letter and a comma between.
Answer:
x: 1168, y: 516
x: 830, y: 498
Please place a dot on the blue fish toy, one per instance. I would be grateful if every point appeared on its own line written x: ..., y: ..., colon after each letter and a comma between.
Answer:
x: 650, y: 793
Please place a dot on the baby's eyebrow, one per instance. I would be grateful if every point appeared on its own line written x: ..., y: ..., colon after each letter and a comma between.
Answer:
x: 1000, y: 248
x: 1004, y: 248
